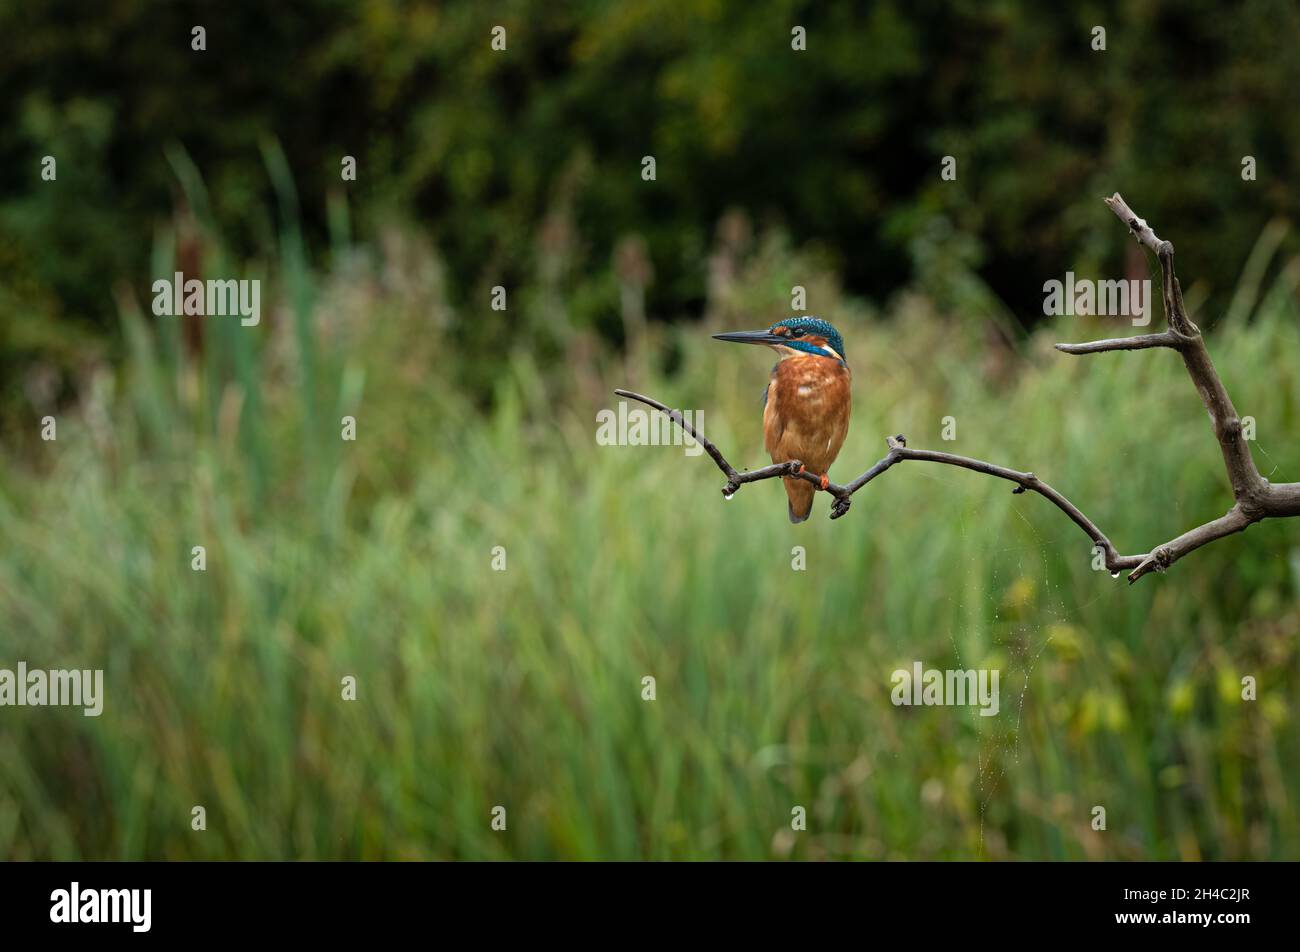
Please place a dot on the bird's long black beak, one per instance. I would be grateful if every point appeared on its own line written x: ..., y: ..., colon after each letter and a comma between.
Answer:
x: 751, y: 337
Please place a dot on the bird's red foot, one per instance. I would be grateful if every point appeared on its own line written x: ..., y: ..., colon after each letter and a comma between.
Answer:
x: 826, y: 481
x: 802, y: 469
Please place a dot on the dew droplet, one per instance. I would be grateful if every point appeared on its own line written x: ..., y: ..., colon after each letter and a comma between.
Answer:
x: 1114, y: 575
x: 727, y: 496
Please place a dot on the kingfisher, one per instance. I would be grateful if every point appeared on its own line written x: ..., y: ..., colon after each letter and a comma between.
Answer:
x: 806, y: 403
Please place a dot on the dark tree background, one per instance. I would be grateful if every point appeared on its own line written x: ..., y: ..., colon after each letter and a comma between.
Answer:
x: 495, y: 155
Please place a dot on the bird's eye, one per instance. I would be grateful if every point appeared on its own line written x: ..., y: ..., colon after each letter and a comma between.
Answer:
x: 796, y: 332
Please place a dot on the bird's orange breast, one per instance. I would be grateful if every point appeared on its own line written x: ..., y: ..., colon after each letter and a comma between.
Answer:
x: 807, y: 412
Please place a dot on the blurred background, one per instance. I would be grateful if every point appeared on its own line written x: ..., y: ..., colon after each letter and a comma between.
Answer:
x: 475, y: 428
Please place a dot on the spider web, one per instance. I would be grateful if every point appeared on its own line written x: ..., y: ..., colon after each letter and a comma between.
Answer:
x: 1011, y: 557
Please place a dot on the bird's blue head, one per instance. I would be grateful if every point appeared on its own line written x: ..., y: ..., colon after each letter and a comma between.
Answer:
x: 810, y: 335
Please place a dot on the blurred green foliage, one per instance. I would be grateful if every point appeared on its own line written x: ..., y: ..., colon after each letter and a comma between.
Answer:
x: 523, y: 687
x: 476, y: 429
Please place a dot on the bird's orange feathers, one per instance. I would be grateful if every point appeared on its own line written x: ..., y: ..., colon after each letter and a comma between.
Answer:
x: 806, y: 417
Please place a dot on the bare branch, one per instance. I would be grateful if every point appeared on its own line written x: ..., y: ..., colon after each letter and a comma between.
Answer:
x: 1140, y: 342
x: 1175, y: 313
x: 734, y: 479
x: 676, y: 417
x: 1136, y: 226
x: 898, y: 452
x: 1165, y: 555
x: 1254, y: 497
x: 1031, y: 483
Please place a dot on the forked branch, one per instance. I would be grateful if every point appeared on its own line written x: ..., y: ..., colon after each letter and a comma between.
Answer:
x: 1254, y: 497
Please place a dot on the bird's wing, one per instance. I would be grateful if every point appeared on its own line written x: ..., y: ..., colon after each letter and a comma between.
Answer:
x: 768, y: 386
x: 773, y: 419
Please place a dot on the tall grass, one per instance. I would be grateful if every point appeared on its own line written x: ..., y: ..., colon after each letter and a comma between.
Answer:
x: 523, y: 688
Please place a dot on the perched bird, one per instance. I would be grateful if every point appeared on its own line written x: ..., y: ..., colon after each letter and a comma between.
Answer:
x: 806, y: 403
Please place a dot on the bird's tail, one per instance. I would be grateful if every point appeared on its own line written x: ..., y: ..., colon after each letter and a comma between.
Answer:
x: 800, y: 493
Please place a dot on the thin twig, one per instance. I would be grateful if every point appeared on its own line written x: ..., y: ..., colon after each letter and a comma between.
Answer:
x: 1141, y: 342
